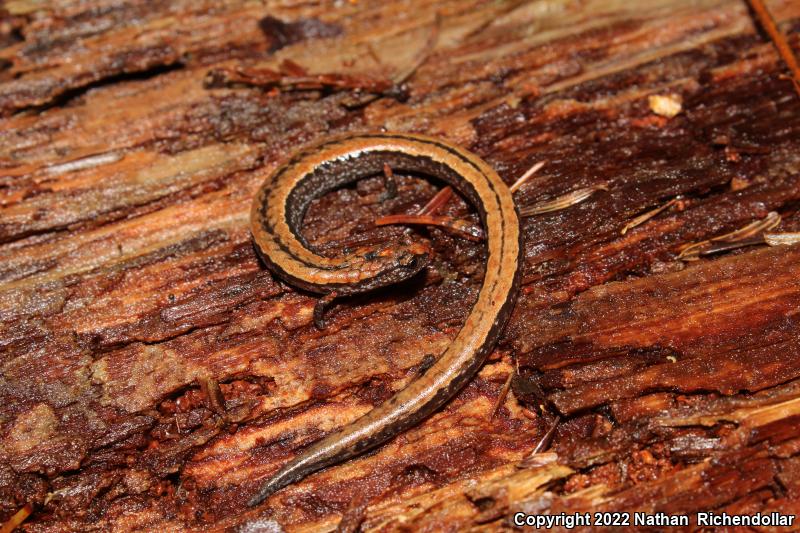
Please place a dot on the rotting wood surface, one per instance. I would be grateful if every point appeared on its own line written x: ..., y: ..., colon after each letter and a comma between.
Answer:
x: 129, y: 289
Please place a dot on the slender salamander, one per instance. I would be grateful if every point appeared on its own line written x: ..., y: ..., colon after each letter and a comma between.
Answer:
x: 276, y: 217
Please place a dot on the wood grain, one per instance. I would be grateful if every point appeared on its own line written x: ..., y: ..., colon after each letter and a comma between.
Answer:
x: 129, y: 287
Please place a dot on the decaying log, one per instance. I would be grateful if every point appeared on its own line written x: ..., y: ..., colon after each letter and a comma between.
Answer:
x: 154, y: 373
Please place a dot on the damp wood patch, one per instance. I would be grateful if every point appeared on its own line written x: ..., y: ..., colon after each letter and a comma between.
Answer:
x: 153, y: 373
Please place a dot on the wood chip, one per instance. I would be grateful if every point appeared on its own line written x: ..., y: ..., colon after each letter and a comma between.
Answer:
x: 668, y: 105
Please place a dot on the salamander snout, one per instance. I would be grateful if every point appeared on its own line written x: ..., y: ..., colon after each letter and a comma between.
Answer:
x: 411, y: 257
x: 395, y: 262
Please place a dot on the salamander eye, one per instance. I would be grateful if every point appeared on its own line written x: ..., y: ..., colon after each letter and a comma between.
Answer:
x: 415, y: 262
x: 405, y: 259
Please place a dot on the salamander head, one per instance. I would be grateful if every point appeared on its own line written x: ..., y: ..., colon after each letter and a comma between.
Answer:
x: 391, y: 263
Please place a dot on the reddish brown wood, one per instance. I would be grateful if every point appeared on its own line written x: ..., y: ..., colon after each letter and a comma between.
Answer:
x: 154, y: 373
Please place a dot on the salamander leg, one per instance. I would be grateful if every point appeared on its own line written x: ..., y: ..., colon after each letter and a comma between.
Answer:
x: 389, y: 182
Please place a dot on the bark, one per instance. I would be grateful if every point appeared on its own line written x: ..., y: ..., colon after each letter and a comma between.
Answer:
x: 154, y: 373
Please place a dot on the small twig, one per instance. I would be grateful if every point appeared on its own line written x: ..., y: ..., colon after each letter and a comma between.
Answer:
x: 526, y: 176
x: 438, y: 201
x: 445, y: 194
x: 745, y: 236
x: 691, y: 251
x: 562, y: 202
x: 547, y: 438
x: 770, y: 239
x: 503, y: 394
x: 778, y: 39
x: 460, y: 227
x: 17, y: 519
x: 641, y: 219
x: 765, y: 224
x: 717, y: 247
x: 532, y: 459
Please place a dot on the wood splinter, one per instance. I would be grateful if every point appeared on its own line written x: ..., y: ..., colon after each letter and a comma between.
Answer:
x: 644, y: 217
x: 534, y: 458
x: 778, y: 39
x: 17, y: 519
x: 503, y: 394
